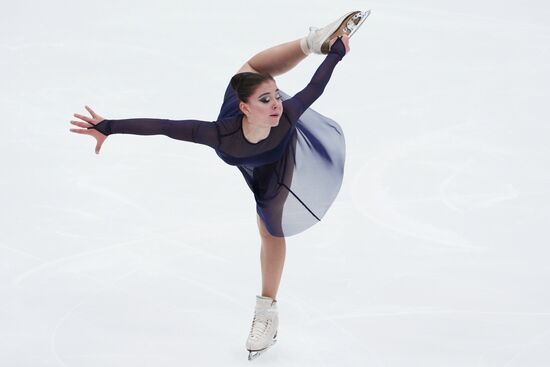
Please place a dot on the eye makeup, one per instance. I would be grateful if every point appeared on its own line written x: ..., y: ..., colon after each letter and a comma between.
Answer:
x: 266, y: 99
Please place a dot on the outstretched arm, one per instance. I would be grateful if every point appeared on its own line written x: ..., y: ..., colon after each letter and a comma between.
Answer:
x: 196, y: 131
x: 301, y: 101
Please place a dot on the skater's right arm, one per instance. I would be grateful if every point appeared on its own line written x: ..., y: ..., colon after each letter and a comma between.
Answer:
x: 196, y: 131
x: 301, y: 101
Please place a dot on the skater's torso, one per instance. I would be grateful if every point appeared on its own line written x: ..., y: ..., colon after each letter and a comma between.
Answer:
x: 235, y: 149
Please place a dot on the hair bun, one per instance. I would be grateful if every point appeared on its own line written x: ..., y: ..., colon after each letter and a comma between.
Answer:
x: 236, y: 81
x: 246, y: 82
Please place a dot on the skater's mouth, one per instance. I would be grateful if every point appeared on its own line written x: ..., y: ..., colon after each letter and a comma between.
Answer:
x: 275, y: 115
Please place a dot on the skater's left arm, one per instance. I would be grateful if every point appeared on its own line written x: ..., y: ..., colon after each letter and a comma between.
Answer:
x: 295, y: 106
x: 197, y: 131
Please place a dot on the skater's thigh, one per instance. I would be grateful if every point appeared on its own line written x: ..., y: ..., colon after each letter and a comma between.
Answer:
x: 247, y: 68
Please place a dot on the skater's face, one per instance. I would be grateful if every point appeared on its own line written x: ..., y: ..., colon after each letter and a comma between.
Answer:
x: 264, y: 107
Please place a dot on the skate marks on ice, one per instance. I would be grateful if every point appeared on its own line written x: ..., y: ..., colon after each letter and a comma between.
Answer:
x: 86, y: 185
x: 312, y: 337
x: 525, y: 348
x: 111, y: 250
x: 437, y: 168
x: 457, y: 202
x: 90, y: 297
x: 85, y: 267
x: 76, y: 311
x: 55, y: 264
x: 124, y: 354
x: 533, y: 351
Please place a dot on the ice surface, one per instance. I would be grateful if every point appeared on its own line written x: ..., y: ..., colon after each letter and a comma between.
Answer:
x: 435, y: 253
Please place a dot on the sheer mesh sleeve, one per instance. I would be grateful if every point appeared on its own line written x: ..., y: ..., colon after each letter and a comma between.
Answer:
x: 301, y: 101
x: 196, y: 131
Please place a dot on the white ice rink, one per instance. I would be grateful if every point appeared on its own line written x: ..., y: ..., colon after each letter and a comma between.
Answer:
x: 436, y: 252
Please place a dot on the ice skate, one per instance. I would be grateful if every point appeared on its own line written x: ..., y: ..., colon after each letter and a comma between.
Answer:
x: 263, y: 332
x: 318, y: 40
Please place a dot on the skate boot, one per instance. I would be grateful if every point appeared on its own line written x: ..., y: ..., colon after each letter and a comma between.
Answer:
x: 263, y: 332
x: 318, y: 40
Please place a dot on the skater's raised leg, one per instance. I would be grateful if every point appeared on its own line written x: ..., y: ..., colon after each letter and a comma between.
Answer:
x: 276, y: 60
x: 318, y: 40
x: 279, y: 59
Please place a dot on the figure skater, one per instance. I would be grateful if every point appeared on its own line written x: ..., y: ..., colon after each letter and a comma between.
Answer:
x: 291, y: 157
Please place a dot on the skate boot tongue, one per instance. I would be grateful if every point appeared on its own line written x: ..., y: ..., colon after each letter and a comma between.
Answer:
x: 263, y: 302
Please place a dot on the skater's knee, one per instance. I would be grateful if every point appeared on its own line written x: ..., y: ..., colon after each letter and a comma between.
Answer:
x: 261, y: 227
x: 264, y: 233
x: 247, y: 68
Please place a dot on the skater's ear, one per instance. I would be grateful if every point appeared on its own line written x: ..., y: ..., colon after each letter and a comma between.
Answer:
x: 244, y: 108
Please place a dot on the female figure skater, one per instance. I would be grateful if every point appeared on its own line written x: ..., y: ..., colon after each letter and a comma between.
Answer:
x: 291, y: 157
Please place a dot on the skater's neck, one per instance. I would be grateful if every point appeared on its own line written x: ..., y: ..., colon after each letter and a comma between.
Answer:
x: 254, y: 133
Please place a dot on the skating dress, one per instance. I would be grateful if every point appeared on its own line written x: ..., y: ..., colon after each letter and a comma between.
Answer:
x: 295, y: 173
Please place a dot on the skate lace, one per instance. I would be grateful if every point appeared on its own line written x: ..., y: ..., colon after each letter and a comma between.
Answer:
x: 260, y: 323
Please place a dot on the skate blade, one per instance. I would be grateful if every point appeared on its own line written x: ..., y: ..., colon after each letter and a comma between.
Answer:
x: 355, y: 22
x: 347, y: 27
x: 253, y: 354
x: 338, y: 32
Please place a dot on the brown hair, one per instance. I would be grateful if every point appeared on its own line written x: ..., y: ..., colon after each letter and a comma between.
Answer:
x: 244, y: 84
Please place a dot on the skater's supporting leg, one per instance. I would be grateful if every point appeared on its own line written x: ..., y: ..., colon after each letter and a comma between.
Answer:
x: 272, y: 258
x: 276, y: 60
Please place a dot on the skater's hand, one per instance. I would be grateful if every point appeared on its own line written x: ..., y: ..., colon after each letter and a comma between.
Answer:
x: 95, y: 119
x: 345, y: 41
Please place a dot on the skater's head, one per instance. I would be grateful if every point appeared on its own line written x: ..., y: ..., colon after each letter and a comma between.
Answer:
x: 244, y: 84
x: 259, y: 97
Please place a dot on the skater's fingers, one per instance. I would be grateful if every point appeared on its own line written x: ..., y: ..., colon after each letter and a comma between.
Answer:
x: 80, y: 131
x: 100, y: 139
x: 91, y: 111
x: 79, y: 123
x: 345, y: 41
x: 87, y: 119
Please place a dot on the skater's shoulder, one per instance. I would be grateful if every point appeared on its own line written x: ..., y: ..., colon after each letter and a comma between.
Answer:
x: 292, y: 106
x: 228, y: 125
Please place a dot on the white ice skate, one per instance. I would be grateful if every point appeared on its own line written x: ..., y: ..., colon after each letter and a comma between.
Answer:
x: 318, y: 40
x: 263, y: 332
